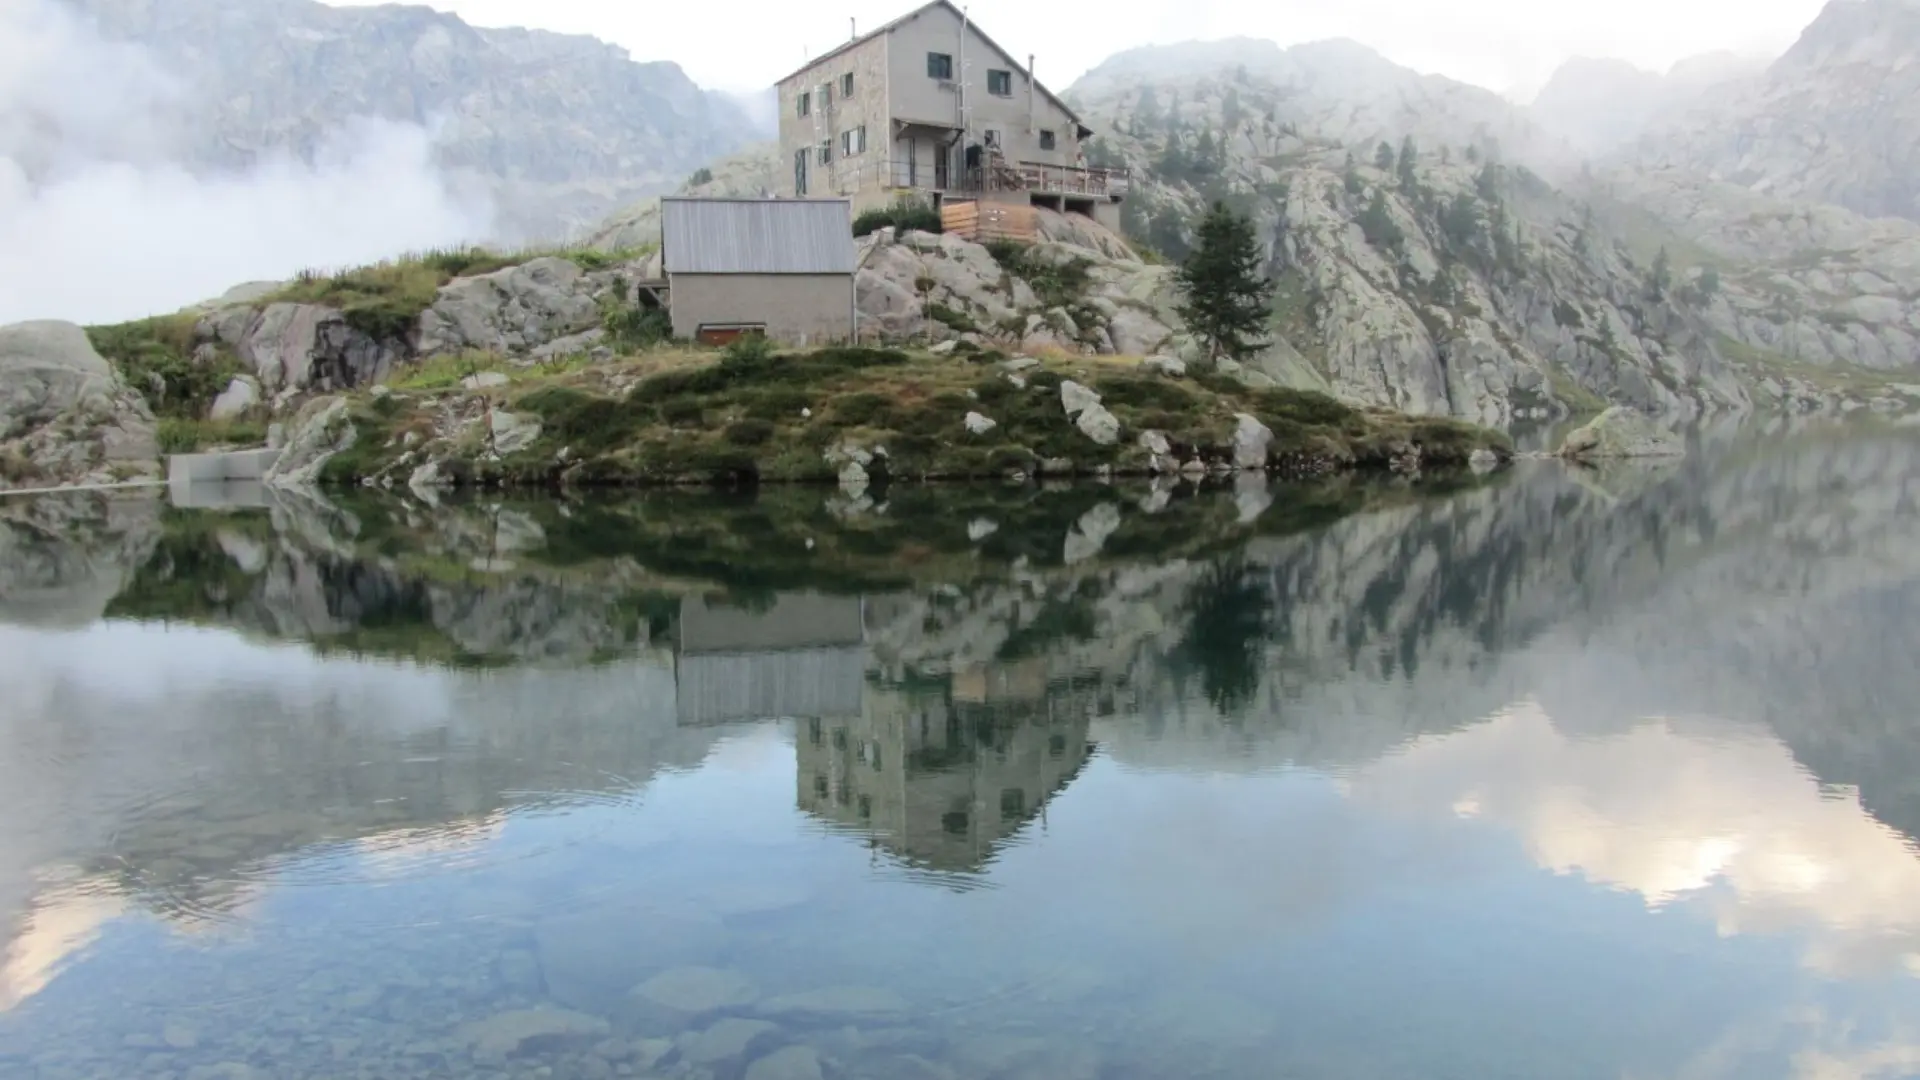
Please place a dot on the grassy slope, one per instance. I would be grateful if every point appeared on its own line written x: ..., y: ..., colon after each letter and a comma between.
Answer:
x: 156, y: 355
x: 677, y: 416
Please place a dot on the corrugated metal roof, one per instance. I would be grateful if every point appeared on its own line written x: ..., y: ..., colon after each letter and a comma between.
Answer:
x: 757, y: 236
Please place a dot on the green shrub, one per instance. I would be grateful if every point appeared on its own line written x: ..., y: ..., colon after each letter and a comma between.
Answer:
x: 749, y: 432
x: 907, y: 215
x: 630, y: 326
x: 155, y: 356
x: 587, y: 423
x: 957, y: 321
x: 180, y: 436
x: 701, y: 176
x: 1304, y: 406
x: 748, y: 349
x: 1146, y: 393
x: 862, y: 409
x: 776, y: 403
x: 681, y: 412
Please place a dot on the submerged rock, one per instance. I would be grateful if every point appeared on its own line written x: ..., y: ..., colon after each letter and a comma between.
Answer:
x: 509, y: 1033
x: 789, y: 1063
x: 1621, y: 433
x: 698, y: 989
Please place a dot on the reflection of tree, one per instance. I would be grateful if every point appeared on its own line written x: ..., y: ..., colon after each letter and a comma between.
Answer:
x: 1231, y: 618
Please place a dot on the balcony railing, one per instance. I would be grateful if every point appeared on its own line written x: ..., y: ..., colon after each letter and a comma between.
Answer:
x: 853, y: 177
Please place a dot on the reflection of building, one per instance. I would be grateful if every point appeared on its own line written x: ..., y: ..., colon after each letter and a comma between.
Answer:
x: 805, y: 654
x: 943, y: 778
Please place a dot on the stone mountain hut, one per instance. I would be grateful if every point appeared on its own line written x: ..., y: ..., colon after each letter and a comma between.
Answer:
x: 779, y: 267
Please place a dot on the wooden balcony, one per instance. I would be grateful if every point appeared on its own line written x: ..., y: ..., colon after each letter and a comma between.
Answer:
x: 997, y: 176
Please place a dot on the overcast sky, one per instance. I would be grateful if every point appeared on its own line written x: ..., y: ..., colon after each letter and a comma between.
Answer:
x: 1499, y: 44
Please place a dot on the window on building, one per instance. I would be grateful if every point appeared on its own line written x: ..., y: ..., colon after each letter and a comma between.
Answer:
x: 992, y: 138
x: 846, y: 85
x: 860, y: 139
x: 806, y: 102
x: 826, y: 94
x: 800, y: 188
x: 939, y: 65
x: 1057, y: 746
x: 820, y: 787
x: 1047, y: 141
x: 813, y: 725
x: 1013, y: 804
x: 846, y: 143
x: 1000, y: 83
x: 865, y: 804
x: 826, y: 153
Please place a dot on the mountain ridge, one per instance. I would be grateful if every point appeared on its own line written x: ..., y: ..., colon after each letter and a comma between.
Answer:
x: 562, y: 128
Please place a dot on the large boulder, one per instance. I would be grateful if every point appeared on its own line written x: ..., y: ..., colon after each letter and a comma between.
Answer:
x: 293, y: 347
x: 513, y: 310
x: 323, y: 427
x: 66, y: 417
x: 1621, y: 433
x: 1125, y: 305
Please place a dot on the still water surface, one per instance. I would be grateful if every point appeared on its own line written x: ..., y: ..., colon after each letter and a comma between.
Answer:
x: 1559, y: 775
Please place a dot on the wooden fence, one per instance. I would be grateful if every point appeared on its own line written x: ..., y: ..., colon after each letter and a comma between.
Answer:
x: 981, y: 222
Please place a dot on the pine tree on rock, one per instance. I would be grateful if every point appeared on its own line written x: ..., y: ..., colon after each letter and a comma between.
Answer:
x: 1225, y: 298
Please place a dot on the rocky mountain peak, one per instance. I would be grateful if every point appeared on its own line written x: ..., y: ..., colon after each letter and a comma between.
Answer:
x: 561, y: 128
x: 1853, y: 32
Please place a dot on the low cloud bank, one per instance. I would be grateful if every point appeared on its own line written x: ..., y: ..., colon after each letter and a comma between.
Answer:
x: 101, y: 219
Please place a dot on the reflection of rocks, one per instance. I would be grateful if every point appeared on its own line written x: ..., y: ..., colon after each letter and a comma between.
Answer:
x: 63, y: 558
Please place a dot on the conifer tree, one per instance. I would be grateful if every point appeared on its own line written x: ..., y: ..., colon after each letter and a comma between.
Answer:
x: 1225, y: 297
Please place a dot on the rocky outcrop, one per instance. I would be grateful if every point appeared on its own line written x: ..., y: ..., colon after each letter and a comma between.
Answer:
x: 322, y: 429
x: 1790, y: 285
x: 1836, y: 120
x: 752, y: 173
x: 513, y: 310
x: 1621, y: 433
x: 1445, y: 286
x: 559, y: 129
x: 298, y: 347
x: 1601, y: 105
x: 65, y: 416
x: 1115, y: 304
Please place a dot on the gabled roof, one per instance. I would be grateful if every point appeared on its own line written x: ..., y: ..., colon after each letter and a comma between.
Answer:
x: 756, y: 236
x: 890, y: 27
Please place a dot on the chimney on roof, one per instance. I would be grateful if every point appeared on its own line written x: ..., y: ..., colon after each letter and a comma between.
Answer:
x: 1033, y: 89
x: 853, y: 29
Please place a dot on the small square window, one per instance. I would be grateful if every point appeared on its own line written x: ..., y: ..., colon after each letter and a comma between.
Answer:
x: 806, y: 102
x: 939, y: 65
x: 846, y: 85
x: 1000, y: 83
x: 992, y: 138
x: 1047, y: 141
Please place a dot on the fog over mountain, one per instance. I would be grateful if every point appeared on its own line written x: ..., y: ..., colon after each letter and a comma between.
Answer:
x: 103, y: 216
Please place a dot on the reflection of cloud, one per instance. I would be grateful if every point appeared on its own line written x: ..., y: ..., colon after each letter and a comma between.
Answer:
x: 61, y: 925
x: 1729, y: 823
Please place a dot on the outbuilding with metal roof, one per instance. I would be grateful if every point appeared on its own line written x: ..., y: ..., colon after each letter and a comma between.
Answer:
x: 779, y: 267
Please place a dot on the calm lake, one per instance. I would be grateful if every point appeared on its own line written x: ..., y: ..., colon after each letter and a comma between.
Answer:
x: 1555, y: 773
